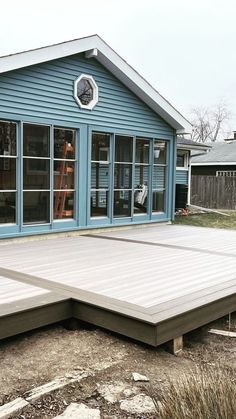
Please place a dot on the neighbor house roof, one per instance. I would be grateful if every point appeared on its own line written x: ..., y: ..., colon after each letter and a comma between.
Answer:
x: 185, y: 144
x: 221, y: 153
x: 94, y: 46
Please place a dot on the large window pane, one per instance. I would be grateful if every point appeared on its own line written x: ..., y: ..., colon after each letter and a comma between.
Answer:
x: 123, y: 176
x: 36, y: 207
x: 7, y: 173
x: 36, y: 140
x: 64, y: 143
x: 100, y: 147
x: 36, y: 174
x: 99, y: 176
x: 7, y: 207
x: 158, y: 181
x: 123, y: 149
x: 142, y: 150
x: 122, y: 204
x: 99, y: 203
x: 64, y: 174
x: 158, y: 201
x: 7, y: 138
x: 64, y: 205
x: 159, y: 152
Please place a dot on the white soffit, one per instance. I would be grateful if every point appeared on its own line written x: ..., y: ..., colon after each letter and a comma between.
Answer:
x: 95, y: 47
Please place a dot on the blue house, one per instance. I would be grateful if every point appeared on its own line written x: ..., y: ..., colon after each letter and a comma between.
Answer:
x: 85, y: 141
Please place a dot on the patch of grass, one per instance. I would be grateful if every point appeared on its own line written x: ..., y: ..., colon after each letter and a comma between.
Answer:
x: 204, y: 393
x: 208, y: 220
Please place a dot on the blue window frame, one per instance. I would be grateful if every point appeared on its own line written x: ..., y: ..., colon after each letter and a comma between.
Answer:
x: 131, y: 183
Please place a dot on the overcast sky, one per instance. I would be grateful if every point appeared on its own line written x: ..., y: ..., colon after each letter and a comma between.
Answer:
x: 185, y: 48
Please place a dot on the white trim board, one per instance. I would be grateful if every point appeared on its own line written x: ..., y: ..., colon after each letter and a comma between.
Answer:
x: 95, y: 47
x: 215, y: 163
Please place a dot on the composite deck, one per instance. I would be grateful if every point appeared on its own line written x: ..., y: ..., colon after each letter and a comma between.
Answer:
x: 152, y: 283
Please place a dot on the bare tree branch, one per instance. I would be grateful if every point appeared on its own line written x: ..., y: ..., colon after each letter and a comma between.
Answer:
x: 209, y: 123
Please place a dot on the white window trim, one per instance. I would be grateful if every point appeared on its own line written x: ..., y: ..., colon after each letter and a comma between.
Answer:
x: 186, y: 160
x: 94, y: 101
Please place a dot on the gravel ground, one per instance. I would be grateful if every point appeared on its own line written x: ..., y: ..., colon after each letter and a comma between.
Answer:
x: 35, y: 358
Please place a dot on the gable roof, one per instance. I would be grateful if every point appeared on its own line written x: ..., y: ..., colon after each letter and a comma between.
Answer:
x: 94, y: 46
x: 186, y: 144
x: 222, y: 153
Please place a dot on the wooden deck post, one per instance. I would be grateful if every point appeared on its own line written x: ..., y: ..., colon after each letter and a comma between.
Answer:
x: 175, y: 346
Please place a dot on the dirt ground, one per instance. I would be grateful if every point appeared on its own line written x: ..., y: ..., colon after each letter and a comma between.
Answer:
x: 35, y: 358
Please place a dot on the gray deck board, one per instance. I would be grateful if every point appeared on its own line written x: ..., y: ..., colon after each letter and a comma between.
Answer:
x: 126, y: 271
x: 13, y: 291
x: 130, y: 272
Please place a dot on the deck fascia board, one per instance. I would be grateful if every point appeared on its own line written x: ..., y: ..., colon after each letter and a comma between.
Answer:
x: 34, y: 317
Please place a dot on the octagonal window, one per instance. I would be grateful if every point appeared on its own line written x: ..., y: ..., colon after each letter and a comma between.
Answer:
x: 85, y: 91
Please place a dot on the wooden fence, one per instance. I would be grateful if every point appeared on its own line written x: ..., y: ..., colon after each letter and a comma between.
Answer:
x: 213, y: 192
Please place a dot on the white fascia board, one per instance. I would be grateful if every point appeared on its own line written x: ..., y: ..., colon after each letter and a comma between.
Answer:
x: 113, y: 62
x: 41, y: 55
x: 216, y: 163
x: 193, y: 147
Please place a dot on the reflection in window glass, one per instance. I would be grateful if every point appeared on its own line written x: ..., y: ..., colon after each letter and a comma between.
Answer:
x: 123, y: 149
x: 7, y: 138
x: 36, y: 207
x: 99, y: 203
x: 85, y: 91
x: 180, y: 159
x: 158, y: 181
x: 122, y: 204
x: 159, y: 152
x: 159, y: 176
x: 64, y: 174
x: 141, y: 175
x: 123, y: 176
x: 64, y: 204
x: 36, y: 174
x: 140, y: 200
x: 100, y: 147
x: 99, y: 176
x: 7, y: 173
x: 158, y: 201
x: 142, y: 150
x: 36, y: 140
x: 64, y: 143
x: 7, y: 207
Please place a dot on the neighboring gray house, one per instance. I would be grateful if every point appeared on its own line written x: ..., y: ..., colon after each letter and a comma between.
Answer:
x: 185, y: 150
x: 220, y: 161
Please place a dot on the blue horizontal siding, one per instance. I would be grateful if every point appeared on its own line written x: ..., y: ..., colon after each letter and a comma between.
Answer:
x: 45, y: 92
x: 182, y: 177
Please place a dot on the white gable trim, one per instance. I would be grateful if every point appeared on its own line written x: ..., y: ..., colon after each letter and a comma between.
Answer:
x: 96, y: 47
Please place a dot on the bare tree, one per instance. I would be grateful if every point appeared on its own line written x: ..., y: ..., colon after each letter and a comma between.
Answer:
x: 210, y: 123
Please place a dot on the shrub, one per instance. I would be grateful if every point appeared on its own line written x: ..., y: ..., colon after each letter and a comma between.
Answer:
x: 203, y: 393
